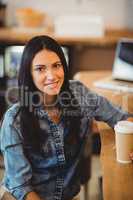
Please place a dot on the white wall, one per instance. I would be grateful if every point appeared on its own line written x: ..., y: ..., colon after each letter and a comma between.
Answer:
x: 116, y: 13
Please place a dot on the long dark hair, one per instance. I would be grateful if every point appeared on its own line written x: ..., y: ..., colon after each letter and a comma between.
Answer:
x: 28, y: 120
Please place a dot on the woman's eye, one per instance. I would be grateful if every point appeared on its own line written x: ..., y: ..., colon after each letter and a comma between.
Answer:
x: 40, y: 69
x: 58, y: 65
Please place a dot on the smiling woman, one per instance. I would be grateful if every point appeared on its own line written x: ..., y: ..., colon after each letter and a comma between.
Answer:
x: 46, y: 136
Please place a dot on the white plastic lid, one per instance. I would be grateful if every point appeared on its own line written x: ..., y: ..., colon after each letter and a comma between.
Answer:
x: 124, y: 127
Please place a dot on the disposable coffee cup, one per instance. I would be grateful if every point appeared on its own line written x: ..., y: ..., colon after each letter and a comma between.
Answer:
x: 124, y: 141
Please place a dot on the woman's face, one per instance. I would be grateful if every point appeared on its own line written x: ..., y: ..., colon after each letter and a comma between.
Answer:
x: 47, y: 72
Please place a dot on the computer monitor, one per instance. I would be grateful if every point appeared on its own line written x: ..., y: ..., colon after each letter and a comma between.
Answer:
x: 123, y: 62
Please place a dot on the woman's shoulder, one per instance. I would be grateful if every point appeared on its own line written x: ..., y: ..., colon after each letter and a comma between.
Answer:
x: 11, y: 113
x: 9, y: 133
x: 80, y: 89
x: 75, y: 83
x: 86, y: 98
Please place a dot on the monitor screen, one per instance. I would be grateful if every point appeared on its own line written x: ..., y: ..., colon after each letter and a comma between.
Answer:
x: 123, y: 62
x: 126, y: 52
x: 12, y: 60
x: 1, y: 66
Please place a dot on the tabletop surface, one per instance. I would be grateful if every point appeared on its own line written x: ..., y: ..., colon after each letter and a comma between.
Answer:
x: 117, y: 178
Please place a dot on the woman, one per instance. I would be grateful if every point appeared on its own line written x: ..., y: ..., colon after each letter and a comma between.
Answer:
x: 43, y: 136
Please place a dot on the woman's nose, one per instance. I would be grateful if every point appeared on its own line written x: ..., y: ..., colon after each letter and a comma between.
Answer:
x: 49, y: 74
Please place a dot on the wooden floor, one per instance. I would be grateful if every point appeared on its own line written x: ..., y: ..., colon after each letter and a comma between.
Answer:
x: 94, y: 186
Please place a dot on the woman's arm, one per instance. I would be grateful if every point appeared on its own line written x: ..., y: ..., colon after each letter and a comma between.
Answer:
x: 108, y: 112
x: 98, y: 107
x: 18, y: 169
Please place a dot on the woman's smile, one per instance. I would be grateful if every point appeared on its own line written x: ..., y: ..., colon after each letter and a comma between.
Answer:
x: 52, y: 84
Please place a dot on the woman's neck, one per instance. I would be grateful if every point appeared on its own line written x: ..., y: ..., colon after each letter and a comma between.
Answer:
x: 50, y: 106
x: 49, y: 101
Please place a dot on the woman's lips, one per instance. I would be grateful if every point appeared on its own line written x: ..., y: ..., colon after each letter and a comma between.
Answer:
x: 52, y: 84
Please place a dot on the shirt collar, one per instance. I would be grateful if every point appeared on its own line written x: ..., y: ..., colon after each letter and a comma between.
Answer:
x: 41, y: 112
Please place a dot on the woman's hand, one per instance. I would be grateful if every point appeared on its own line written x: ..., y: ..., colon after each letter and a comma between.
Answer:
x: 32, y: 196
x: 131, y: 155
x: 130, y: 119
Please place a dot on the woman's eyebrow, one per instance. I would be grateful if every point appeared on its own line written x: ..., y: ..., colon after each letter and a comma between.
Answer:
x: 42, y: 65
x: 57, y: 62
x: 39, y: 65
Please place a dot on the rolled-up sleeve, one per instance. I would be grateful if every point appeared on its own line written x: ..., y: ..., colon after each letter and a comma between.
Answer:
x: 97, y: 106
x: 108, y: 112
x: 18, y: 171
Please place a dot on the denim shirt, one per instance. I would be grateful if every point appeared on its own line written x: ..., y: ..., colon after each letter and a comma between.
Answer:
x: 53, y: 174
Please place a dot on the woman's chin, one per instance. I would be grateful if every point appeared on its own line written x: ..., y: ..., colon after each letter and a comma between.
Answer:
x: 52, y: 92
